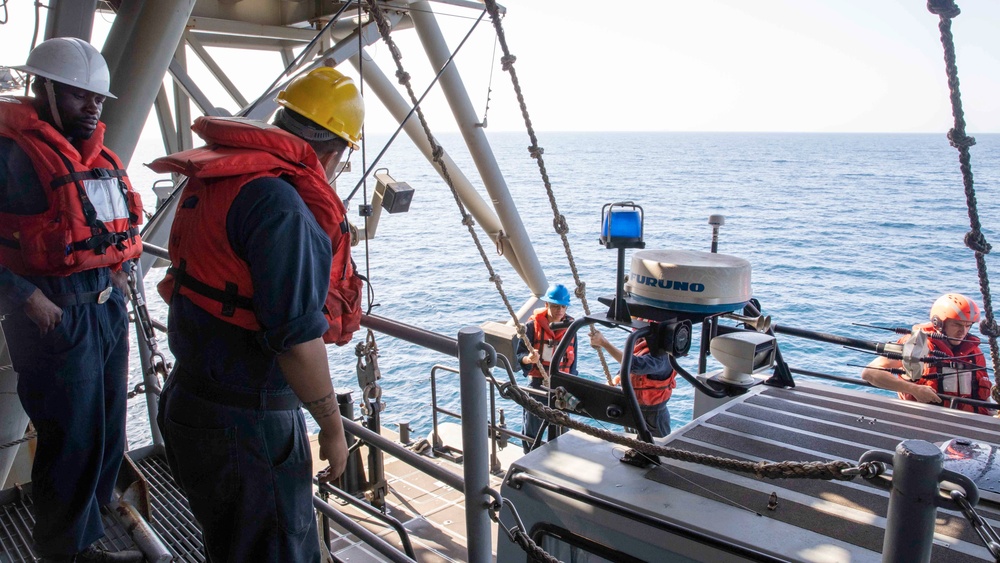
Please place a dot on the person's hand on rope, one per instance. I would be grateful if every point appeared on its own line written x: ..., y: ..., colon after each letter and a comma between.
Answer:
x: 531, y: 358
x: 598, y: 340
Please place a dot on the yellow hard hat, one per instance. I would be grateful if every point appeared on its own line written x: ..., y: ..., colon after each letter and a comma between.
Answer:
x: 327, y: 97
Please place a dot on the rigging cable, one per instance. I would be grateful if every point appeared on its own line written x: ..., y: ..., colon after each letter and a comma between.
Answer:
x: 974, y: 239
x: 414, y: 109
x: 437, y: 153
x: 489, y: 91
x: 559, y: 220
x: 370, y: 294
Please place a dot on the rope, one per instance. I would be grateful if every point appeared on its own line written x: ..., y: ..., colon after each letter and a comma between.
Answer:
x: 437, y: 152
x: 28, y: 436
x: 974, y: 239
x: 833, y: 470
x: 559, y: 220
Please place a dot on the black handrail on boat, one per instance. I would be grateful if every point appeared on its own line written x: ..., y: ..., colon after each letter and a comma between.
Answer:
x: 518, y: 479
x: 872, y: 346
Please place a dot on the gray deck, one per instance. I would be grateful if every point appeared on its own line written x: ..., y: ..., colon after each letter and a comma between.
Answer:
x: 814, y: 520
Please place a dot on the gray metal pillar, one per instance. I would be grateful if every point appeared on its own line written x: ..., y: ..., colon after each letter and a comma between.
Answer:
x: 70, y: 18
x: 139, y: 51
x: 475, y: 446
x: 465, y: 115
x: 909, y: 527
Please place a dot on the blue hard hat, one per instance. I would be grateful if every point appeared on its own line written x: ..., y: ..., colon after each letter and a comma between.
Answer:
x: 557, y: 294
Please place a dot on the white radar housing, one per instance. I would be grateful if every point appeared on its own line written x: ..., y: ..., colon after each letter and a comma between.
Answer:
x: 689, y: 281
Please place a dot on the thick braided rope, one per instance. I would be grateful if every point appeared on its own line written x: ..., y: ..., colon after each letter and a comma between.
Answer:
x: 974, y: 239
x: 559, y: 220
x: 833, y: 470
x: 28, y: 436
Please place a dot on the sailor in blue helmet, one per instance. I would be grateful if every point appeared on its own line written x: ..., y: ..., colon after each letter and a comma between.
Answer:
x: 544, y: 330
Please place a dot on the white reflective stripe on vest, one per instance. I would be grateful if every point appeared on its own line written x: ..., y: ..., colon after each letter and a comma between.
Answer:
x: 106, y: 196
x: 956, y: 382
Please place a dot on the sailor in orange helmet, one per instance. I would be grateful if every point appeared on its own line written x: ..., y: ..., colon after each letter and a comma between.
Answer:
x: 961, y: 374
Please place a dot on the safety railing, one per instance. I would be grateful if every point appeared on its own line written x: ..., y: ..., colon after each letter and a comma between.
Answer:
x: 499, y: 434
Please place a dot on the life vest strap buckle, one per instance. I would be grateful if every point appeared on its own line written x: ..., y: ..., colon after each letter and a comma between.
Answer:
x: 104, y: 295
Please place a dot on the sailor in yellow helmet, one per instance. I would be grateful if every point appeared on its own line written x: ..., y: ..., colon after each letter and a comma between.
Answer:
x: 260, y: 278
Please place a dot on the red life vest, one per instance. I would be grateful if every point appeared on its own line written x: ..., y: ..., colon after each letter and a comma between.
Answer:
x: 546, y: 341
x: 956, y: 378
x: 651, y: 392
x: 205, y: 267
x: 93, y: 214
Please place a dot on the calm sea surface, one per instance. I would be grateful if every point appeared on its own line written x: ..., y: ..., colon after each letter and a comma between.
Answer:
x: 839, y: 229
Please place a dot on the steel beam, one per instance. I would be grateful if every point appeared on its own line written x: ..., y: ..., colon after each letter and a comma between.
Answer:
x: 390, y: 97
x: 468, y: 123
x: 70, y: 18
x: 144, y: 48
x: 216, y: 70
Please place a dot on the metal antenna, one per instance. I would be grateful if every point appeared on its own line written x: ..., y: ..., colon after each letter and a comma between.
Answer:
x: 716, y: 221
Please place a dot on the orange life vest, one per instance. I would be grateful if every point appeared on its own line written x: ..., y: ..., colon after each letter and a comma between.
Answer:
x: 546, y: 341
x: 205, y: 268
x: 650, y: 392
x: 93, y: 214
x: 956, y: 378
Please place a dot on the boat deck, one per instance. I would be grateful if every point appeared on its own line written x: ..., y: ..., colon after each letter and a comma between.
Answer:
x: 696, y: 511
x: 723, y: 513
x: 432, y: 512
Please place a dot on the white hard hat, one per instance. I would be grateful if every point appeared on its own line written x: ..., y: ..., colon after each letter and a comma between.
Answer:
x: 71, y: 61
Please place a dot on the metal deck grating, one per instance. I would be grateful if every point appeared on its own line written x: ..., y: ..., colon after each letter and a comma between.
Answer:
x: 172, y: 518
x: 17, y: 517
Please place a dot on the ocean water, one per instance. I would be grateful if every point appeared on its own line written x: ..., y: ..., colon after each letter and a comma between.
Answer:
x: 840, y: 230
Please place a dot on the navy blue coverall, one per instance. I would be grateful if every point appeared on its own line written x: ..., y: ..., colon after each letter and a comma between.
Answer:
x: 531, y: 424
x: 247, y: 469
x: 72, y: 382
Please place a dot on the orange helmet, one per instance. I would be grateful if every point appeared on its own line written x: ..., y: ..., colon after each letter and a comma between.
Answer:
x: 953, y: 306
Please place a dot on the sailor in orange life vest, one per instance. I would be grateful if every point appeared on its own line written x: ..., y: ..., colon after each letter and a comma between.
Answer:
x: 261, y: 277
x: 653, y: 380
x: 951, y: 316
x: 68, y: 227
x: 544, y: 330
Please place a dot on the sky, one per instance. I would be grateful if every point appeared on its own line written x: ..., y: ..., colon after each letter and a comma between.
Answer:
x: 666, y: 65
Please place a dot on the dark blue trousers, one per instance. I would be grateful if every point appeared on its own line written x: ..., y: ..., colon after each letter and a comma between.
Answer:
x: 531, y: 424
x: 247, y: 475
x: 73, y: 384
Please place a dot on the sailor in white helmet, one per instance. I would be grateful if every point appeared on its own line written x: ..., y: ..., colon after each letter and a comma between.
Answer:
x: 68, y: 225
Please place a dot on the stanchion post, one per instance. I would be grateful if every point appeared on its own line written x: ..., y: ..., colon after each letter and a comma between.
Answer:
x: 909, y: 527
x: 475, y: 449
